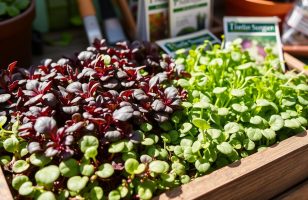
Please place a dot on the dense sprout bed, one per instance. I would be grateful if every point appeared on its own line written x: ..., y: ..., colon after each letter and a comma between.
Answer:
x: 116, y: 122
x: 236, y: 107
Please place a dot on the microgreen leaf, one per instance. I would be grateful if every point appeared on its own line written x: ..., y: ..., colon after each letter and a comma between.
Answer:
x: 114, y: 195
x: 45, y: 125
x: 249, y: 144
x: 232, y: 127
x: 11, y: 144
x: 225, y: 148
x: 201, y: 124
x: 185, y: 127
x: 26, y: 188
x: 105, y: 170
x: 146, y: 189
x: 131, y: 165
x: 18, y: 181
x: 77, y: 183
x: 88, y: 141
x: 39, y: 159
x: 96, y: 193
x: 69, y: 168
x: 269, y: 134
x: 116, y: 147
x: 238, y: 92
x: 292, y: 123
x: 202, y: 165
x: 86, y: 169
x: 3, y: 120
x: 276, y: 122
x: 254, y: 134
x: 47, y: 175
x: 158, y: 166
x: 20, y: 166
x: 47, y: 195
x: 219, y: 90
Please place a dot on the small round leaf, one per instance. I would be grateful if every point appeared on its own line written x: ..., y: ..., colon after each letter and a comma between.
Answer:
x: 26, y: 188
x: 232, y: 127
x: 254, y: 134
x: 87, y: 169
x: 39, y: 159
x: 69, y: 168
x: 114, y: 195
x: 269, y: 134
x: 96, y: 193
x: 116, y: 147
x: 185, y: 127
x: 201, y: 124
x: 77, y: 183
x: 47, y: 195
x: 4, y: 160
x: 225, y: 148
x: 105, y: 170
x: 131, y: 165
x: 18, y: 181
x: 11, y: 144
x: 158, y: 166
x: 47, y: 175
x: 276, y: 122
x: 88, y: 141
x: 202, y: 165
x: 20, y: 166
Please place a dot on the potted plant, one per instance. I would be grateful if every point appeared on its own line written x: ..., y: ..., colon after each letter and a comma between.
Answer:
x: 16, y: 18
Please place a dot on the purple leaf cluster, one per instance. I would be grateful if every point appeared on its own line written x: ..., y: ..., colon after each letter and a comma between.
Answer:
x: 103, y: 91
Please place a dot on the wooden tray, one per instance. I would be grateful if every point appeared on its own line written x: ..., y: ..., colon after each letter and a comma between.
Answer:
x: 262, y: 175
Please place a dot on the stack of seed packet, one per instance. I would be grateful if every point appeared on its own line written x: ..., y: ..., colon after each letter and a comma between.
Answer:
x: 161, y: 19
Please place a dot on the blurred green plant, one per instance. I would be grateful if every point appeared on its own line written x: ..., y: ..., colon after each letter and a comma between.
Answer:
x: 12, y: 8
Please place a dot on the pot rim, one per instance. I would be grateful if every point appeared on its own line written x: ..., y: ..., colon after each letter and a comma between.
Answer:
x: 268, y: 3
x: 28, y: 11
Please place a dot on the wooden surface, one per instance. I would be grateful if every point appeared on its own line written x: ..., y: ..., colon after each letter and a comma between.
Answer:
x: 300, y: 192
x: 5, y: 193
x: 294, y: 63
x: 260, y: 176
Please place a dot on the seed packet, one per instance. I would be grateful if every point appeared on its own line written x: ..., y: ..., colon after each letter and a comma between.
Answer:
x: 152, y: 20
x: 257, y: 35
x: 170, y: 46
x: 188, y: 16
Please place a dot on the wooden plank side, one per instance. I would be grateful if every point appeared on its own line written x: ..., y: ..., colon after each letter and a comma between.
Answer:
x: 294, y: 63
x: 5, y: 192
x: 259, y: 176
x: 300, y: 192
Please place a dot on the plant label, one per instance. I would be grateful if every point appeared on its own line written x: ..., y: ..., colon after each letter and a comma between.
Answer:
x: 170, y: 46
x: 258, y: 35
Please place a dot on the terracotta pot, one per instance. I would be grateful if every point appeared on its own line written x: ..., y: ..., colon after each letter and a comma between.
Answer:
x: 257, y: 8
x: 15, y: 38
